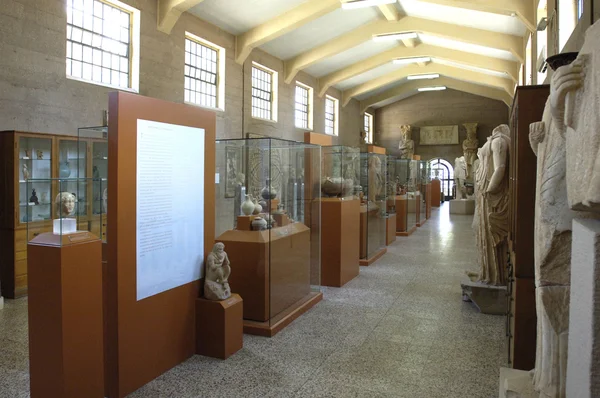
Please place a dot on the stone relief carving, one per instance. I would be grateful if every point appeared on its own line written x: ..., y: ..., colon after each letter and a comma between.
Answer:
x: 407, y: 145
x: 492, y: 202
x: 438, y: 135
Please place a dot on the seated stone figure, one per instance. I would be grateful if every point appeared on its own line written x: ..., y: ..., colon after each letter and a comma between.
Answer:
x: 217, y: 272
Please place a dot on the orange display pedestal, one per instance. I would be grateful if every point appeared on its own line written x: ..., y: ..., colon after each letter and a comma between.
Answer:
x: 339, y: 231
x: 436, y: 193
x: 66, y: 349
x: 428, y: 201
x: 390, y: 230
x: 402, y: 228
x: 219, y: 327
x: 418, y: 204
x: 363, y: 241
x: 272, y: 274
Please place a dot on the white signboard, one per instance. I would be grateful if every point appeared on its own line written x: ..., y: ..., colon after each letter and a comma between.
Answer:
x: 170, y: 206
x: 438, y: 135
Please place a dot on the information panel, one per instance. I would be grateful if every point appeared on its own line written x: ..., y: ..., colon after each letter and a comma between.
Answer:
x: 170, y: 206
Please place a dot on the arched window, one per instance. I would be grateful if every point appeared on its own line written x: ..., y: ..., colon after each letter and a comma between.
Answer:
x: 443, y: 170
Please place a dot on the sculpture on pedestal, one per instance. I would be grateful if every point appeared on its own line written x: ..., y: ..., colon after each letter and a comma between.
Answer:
x: 216, y: 285
x: 470, y: 146
x: 492, y: 202
x: 65, y: 204
x: 460, y: 175
x: 407, y: 145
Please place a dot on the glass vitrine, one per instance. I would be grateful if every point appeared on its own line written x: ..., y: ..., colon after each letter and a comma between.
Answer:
x: 340, y: 169
x: 72, y: 170
x: 268, y: 217
x: 373, y: 168
x: 35, y: 163
x: 406, y: 191
x: 423, y: 180
x: 391, y: 183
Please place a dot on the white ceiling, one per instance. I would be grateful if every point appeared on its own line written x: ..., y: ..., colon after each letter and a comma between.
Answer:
x: 385, y: 88
x: 319, y: 31
x: 239, y: 16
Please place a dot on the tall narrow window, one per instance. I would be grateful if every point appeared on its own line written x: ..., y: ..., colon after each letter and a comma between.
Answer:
x: 368, y: 128
x: 264, y: 81
x: 567, y: 20
x: 303, y: 106
x: 102, y: 38
x: 203, y: 73
x: 331, y: 115
x: 579, y: 9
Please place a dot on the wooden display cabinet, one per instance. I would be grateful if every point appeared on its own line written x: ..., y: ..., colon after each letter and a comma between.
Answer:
x: 48, y: 157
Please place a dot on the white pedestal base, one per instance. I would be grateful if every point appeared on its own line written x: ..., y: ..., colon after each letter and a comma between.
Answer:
x: 516, y: 383
x: 462, y: 206
x: 63, y: 226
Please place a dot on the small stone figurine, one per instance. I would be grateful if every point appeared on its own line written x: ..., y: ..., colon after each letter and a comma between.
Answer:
x: 26, y: 173
x: 27, y: 153
x: 34, y: 198
x: 216, y: 286
x: 40, y: 154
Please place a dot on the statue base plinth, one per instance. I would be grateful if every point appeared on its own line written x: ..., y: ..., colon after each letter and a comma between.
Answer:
x: 219, y: 327
x: 516, y: 383
x: 489, y: 299
x: 462, y: 206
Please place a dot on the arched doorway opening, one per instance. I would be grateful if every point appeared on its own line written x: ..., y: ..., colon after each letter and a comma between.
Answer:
x: 443, y: 170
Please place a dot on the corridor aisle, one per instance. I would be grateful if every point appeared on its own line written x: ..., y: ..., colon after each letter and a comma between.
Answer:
x: 400, y: 329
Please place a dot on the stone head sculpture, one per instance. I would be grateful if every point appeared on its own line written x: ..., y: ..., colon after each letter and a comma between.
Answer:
x: 65, y: 204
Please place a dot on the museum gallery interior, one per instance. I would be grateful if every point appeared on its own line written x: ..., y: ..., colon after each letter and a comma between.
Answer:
x: 300, y: 198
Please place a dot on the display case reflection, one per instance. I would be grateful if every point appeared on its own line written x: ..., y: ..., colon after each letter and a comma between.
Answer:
x: 373, y: 169
x: 340, y: 172
x: 268, y: 217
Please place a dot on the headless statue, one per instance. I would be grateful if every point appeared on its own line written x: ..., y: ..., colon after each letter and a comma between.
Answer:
x: 216, y: 286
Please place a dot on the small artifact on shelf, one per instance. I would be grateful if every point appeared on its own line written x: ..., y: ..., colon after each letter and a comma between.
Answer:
x: 257, y: 207
x: 268, y: 192
x: 217, y: 271
x: 40, y: 154
x: 280, y: 209
x: 26, y: 173
x: 44, y: 197
x: 33, y: 198
x: 64, y: 171
x: 271, y: 222
x: 259, y: 224
x: 337, y: 186
x: 27, y: 153
x: 105, y: 200
x: 247, y: 206
x: 95, y: 173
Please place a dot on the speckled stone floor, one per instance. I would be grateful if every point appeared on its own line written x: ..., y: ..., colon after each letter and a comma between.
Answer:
x: 400, y: 329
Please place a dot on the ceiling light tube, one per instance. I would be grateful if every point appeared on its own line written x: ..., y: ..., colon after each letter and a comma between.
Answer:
x: 395, y: 36
x: 413, y: 60
x: 350, y: 5
x: 423, y: 76
x: 436, y: 88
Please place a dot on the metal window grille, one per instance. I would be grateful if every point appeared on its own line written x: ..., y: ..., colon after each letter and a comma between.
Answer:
x: 201, y: 74
x: 98, y: 42
x: 302, y: 107
x: 262, y: 93
x: 330, y: 116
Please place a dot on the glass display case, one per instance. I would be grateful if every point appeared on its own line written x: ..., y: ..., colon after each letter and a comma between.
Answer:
x: 96, y: 140
x: 35, y: 163
x: 392, y: 183
x: 406, y: 202
x: 423, y: 180
x: 268, y: 217
x: 340, y: 171
x: 373, y: 169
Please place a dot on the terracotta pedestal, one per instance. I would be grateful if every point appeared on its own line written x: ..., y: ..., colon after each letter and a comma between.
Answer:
x: 66, y: 350
x: 339, y: 231
x: 390, y: 234
x: 436, y: 193
x: 219, y: 327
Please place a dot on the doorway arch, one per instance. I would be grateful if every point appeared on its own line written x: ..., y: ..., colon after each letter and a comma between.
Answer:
x: 443, y: 170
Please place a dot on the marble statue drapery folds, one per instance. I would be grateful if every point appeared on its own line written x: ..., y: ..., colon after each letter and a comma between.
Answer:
x: 460, y: 175
x: 492, y: 202
x: 406, y: 145
x: 470, y: 146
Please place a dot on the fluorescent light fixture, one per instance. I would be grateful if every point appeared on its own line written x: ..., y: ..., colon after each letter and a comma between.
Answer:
x: 413, y: 60
x: 436, y: 88
x: 423, y: 76
x: 350, y: 5
x: 395, y: 36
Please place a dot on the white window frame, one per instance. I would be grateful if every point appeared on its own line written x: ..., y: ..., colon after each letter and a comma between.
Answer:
x: 567, y: 21
x: 369, y: 132
x: 309, y: 116
x: 336, y: 115
x: 274, y: 91
x: 221, y: 57
x: 134, y: 50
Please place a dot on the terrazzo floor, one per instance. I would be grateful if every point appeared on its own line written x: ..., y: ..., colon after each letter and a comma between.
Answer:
x: 400, y: 329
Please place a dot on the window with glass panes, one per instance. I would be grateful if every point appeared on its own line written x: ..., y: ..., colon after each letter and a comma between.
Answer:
x: 98, y: 42
x: 302, y: 106
x: 262, y: 93
x: 368, y: 128
x: 201, y: 74
x: 330, y: 115
x: 579, y: 9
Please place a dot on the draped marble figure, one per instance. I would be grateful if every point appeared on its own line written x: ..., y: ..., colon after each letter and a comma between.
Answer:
x: 492, y: 203
x: 406, y: 145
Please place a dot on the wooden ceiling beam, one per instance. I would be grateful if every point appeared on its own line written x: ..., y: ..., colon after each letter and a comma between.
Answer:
x: 169, y: 12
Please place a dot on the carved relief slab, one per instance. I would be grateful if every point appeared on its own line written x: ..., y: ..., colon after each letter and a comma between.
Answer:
x: 439, y: 135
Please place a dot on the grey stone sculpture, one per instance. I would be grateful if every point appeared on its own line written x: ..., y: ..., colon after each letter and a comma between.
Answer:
x: 218, y: 269
x: 406, y: 145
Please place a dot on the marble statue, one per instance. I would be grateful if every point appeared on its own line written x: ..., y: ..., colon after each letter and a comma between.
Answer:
x: 492, y: 201
x: 470, y: 146
x: 26, y: 173
x: 376, y: 180
x: 407, y: 145
x: 460, y: 175
x: 65, y: 204
x: 216, y: 286
x: 105, y: 201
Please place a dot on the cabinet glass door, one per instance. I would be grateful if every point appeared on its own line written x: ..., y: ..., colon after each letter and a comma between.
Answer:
x: 72, y: 169
x: 35, y: 162
x: 99, y: 175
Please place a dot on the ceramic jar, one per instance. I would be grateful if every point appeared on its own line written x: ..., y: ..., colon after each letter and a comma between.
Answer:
x: 248, y: 206
x: 259, y: 224
x: 257, y: 208
x: 64, y: 170
x: 268, y: 192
